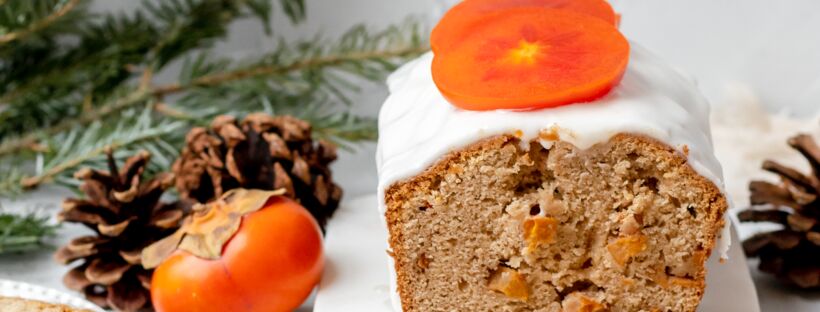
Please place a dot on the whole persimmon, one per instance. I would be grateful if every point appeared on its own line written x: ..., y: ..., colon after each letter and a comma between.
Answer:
x: 250, y: 251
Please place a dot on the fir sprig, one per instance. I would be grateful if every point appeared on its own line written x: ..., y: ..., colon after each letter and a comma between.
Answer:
x: 86, y: 146
x: 78, y: 68
x: 19, y: 233
x: 99, y: 94
x: 38, y: 17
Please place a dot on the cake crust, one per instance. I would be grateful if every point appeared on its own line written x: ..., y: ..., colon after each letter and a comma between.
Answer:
x: 23, y: 305
x: 625, y: 225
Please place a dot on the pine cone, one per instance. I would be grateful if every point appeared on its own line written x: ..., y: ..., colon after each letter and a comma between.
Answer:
x: 792, y: 253
x: 260, y: 152
x: 126, y: 215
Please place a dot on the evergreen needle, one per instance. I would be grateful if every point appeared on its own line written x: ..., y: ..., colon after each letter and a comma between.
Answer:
x: 22, y: 233
x: 41, y: 24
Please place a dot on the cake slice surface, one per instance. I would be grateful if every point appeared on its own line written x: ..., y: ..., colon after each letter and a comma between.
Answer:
x: 625, y: 225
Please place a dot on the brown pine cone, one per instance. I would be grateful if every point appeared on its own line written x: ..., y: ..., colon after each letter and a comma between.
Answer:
x: 793, y: 253
x: 126, y: 215
x: 260, y: 152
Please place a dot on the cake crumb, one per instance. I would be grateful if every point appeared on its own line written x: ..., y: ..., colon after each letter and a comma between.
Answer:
x: 578, y: 302
x: 423, y: 262
x: 684, y: 282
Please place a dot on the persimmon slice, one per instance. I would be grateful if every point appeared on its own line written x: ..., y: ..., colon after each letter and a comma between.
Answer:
x: 532, y: 58
x: 465, y: 16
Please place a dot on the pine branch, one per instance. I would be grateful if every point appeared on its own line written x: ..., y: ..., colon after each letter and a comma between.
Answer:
x: 87, y: 144
x: 98, y: 55
x: 40, y: 24
x: 412, y: 46
x: 10, y: 183
x: 29, y: 141
x: 327, y: 61
x: 23, y: 233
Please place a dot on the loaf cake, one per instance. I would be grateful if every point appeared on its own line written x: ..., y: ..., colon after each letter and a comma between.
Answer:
x: 610, y: 203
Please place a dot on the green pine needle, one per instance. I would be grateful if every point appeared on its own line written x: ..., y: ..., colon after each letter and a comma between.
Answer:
x: 23, y: 233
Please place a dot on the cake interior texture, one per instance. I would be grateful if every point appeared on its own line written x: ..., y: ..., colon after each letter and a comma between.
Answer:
x: 505, y: 225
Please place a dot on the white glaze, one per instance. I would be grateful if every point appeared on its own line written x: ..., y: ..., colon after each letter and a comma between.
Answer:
x: 417, y: 126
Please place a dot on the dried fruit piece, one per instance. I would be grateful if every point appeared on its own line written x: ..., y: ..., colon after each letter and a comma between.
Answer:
x: 465, y: 16
x: 540, y: 231
x: 665, y: 280
x: 532, y: 58
x: 624, y: 248
x: 510, y: 283
x: 578, y: 302
x: 659, y: 276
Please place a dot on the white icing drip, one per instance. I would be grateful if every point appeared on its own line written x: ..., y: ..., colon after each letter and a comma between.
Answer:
x: 417, y: 126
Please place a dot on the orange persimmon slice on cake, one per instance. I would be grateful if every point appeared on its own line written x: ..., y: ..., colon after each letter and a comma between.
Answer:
x: 468, y: 14
x: 531, y: 58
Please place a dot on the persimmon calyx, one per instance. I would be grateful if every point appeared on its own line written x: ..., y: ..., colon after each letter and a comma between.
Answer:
x: 209, y: 227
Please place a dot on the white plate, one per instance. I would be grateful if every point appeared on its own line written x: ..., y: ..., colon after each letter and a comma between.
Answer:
x: 38, y: 293
x: 356, y: 273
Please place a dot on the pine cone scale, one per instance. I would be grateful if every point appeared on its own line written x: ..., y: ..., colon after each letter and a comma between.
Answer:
x: 167, y: 219
x: 768, y: 193
x: 132, y: 169
x: 106, y: 271
x: 133, y: 257
x: 805, y: 277
x: 282, y: 179
x: 127, y: 296
x: 112, y: 230
x: 800, y: 223
x: 790, y: 174
x: 806, y: 145
x: 776, y: 216
x: 97, y: 193
x: 813, y: 237
x: 75, y: 279
x: 65, y: 255
x: 76, y: 213
x: 300, y: 169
